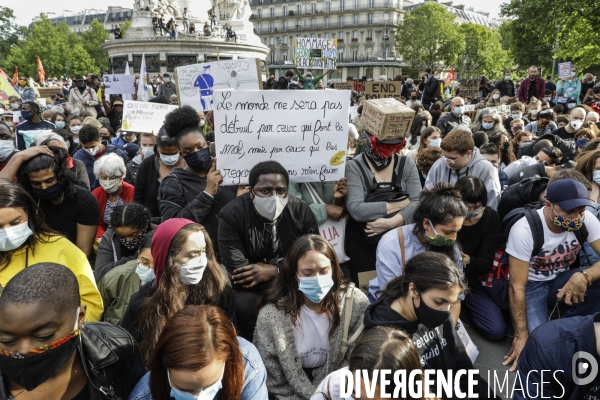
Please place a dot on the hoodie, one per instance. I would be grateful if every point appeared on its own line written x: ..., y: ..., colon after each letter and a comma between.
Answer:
x: 439, y: 348
x: 479, y: 166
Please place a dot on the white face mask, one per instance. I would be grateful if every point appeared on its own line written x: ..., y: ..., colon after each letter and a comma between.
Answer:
x: 75, y: 129
x: 6, y: 149
x: 576, y: 124
x: 495, y: 96
x: 271, y: 207
x: 93, y: 151
x: 435, y: 142
x: 208, y: 393
x: 192, y: 272
x: 110, y: 185
x: 201, y: 123
x: 13, y: 237
x: 147, y: 151
x: 169, y: 160
x: 145, y: 273
x: 14, y: 106
x: 534, y: 112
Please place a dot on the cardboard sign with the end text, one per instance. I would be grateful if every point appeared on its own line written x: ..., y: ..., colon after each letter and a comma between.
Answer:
x: 383, y: 90
x: 140, y: 116
x: 306, y: 133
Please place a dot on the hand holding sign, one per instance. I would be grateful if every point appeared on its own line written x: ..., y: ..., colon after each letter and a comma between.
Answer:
x: 213, y: 179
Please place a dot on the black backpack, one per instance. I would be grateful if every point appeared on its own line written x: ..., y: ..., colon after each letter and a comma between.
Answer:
x: 381, y: 191
x: 497, y: 281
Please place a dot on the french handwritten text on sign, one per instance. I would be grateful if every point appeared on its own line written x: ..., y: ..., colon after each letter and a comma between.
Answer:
x: 313, y: 53
x: 196, y: 83
x: 564, y: 70
x: 119, y: 84
x: 140, y: 116
x: 306, y: 133
x: 383, y: 90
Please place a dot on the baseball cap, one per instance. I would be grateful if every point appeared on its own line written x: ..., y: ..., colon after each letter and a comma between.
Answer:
x: 568, y: 194
x: 117, y: 103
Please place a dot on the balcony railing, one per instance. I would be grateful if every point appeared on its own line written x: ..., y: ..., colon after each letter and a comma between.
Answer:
x: 294, y: 13
x: 318, y: 26
x: 344, y: 60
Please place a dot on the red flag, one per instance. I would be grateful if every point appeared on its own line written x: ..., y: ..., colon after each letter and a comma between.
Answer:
x: 15, y: 78
x: 450, y: 76
x: 4, y: 74
x: 41, y: 73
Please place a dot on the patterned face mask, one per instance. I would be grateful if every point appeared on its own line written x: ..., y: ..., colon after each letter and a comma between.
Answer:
x: 135, y: 242
x: 439, y: 240
x: 566, y: 224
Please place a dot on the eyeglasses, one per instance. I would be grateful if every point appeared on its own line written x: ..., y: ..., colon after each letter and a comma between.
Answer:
x: 451, y: 161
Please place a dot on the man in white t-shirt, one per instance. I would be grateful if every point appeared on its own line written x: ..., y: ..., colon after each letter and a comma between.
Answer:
x: 536, y: 282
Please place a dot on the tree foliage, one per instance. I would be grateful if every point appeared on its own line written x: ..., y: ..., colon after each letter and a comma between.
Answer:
x: 429, y: 36
x: 539, y: 30
x: 9, y: 31
x: 92, y: 41
x: 483, y: 52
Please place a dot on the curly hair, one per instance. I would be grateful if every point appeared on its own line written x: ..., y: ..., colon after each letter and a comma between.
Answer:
x: 172, y: 295
x: 427, y: 157
x: 132, y: 215
x: 181, y: 122
x: 59, y: 164
x: 506, y: 152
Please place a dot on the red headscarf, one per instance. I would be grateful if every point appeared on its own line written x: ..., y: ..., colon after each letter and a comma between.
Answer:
x: 383, y: 150
x: 161, y: 242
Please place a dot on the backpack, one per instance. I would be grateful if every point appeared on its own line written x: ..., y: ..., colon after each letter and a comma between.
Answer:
x: 496, y: 282
x: 520, y: 194
x: 381, y: 191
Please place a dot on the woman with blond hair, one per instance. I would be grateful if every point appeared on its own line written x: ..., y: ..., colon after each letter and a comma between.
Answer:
x: 494, y: 99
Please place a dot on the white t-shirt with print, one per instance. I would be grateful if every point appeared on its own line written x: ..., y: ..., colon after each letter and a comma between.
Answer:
x: 559, y: 249
x: 312, y: 337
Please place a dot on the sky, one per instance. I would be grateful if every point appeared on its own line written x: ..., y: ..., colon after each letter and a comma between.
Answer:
x: 25, y: 10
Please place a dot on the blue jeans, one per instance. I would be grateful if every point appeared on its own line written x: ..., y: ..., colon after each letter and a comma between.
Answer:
x: 541, y: 296
x: 483, y: 314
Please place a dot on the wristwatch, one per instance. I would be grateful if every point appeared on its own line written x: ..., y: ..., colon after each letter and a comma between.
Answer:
x: 587, y: 277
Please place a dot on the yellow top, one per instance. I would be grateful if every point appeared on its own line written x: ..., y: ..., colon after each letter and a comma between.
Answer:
x: 61, y: 251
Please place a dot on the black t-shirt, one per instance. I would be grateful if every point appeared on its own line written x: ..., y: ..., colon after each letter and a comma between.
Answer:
x: 80, y: 208
x: 115, y: 119
x: 532, y: 90
x: 563, y: 134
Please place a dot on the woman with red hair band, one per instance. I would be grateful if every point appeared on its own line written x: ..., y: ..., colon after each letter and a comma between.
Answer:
x: 199, y: 356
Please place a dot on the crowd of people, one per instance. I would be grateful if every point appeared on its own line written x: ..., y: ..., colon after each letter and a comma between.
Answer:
x: 185, y: 288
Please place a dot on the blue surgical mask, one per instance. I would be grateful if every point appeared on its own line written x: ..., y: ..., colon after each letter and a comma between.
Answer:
x: 145, y: 273
x: 6, y: 149
x: 457, y: 110
x: 207, y: 394
x: 487, y: 125
x: 435, y: 142
x: 582, y: 142
x: 169, y: 160
x: 60, y: 124
x: 596, y: 177
x: 147, y: 151
x: 517, y: 116
x: 315, y: 287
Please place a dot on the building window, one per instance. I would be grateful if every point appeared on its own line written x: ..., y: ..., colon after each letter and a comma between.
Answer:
x: 259, y: 13
x: 272, y: 57
x: 341, y: 35
x: 313, y: 8
x: 355, y: 34
x: 284, y: 56
x: 326, y: 22
x: 272, y: 41
x: 386, y: 17
x: 285, y: 40
x: 258, y: 27
x: 370, y: 19
x: 340, y: 55
x: 341, y: 5
x: 271, y: 27
x: 370, y: 34
x: 328, y: 6
x: 355, y: 21
x: 299, y: 9
x: 354, y: 54
x: 272, y: 11
x: 284, y: 26
x: 312, y: 36
x: 285, y: 11
x: 326, y: 35
x: 312, y: 23
x: 341, y: 20
x: 356, y: 4
x: 371, y: 3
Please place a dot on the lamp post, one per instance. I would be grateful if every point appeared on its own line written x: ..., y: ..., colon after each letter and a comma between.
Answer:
x: 66, y: 65
x: 554, y: 48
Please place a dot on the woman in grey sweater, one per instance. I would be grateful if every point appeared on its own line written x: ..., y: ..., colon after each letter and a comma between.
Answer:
x: 378, y: 169
x: 300, y: 326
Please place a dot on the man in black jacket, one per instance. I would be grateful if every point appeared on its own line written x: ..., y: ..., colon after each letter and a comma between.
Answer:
x: 66, y: 358
x: 429, y: 87
x: 256, y: 230
x: 507, y: 86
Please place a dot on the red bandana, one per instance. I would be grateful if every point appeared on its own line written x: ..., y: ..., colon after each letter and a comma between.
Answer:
x: 385, y: 151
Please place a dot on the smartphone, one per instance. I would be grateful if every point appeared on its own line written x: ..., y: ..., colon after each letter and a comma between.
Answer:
x: 213, y: 151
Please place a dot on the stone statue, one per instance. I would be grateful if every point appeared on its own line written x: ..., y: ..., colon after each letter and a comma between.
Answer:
x: 167, y: 7
x: 241, y: 10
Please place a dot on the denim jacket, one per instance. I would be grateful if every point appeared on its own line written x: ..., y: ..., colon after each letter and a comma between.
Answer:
x: 255, y: 377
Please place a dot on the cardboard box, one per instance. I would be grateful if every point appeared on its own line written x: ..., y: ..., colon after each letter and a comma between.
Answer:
x: 383, y: 90
x: 386, y: 118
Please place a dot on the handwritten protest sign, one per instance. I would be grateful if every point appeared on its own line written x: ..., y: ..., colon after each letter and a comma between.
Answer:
x: 314, y: 53
x: 343, y: 86
x: 140, y: 116
x: 383, y: 90
x: 119, y: 84
x: 306, y: 133
x: 564, y: 70
x: 386, y: 118
x: 197, y: 83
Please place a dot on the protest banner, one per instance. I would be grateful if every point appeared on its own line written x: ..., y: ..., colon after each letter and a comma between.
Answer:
x: 197, y: 83
x: 306, y: 133
x: 469, y: 90
x: 314, y: 53
x: 564, y: 70
x: 140, y: 116
x: 383, y: 90
x: 6, y: 90
x: 343, y: 86
x: 119, y: 84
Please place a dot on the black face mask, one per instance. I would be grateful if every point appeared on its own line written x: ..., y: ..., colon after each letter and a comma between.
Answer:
x: 199, y: 160
x: 31, y: 370
x: 428, y: 316
x: 50, y: 193
x: 413, y: 97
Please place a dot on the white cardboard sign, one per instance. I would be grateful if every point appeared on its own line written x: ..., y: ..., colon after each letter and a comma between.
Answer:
x: 140, y: 116
x: 564, y: 70
x: 197, y: 83
x: 119, y: 84
x: 306, y: 133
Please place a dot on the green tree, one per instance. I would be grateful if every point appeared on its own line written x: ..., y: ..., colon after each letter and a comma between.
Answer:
x: 429, y: 35
x: 9, y: 32
x: 126, y: 25
x: 92, y: 41
x: 483, y: 52
x: 543, y: 29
